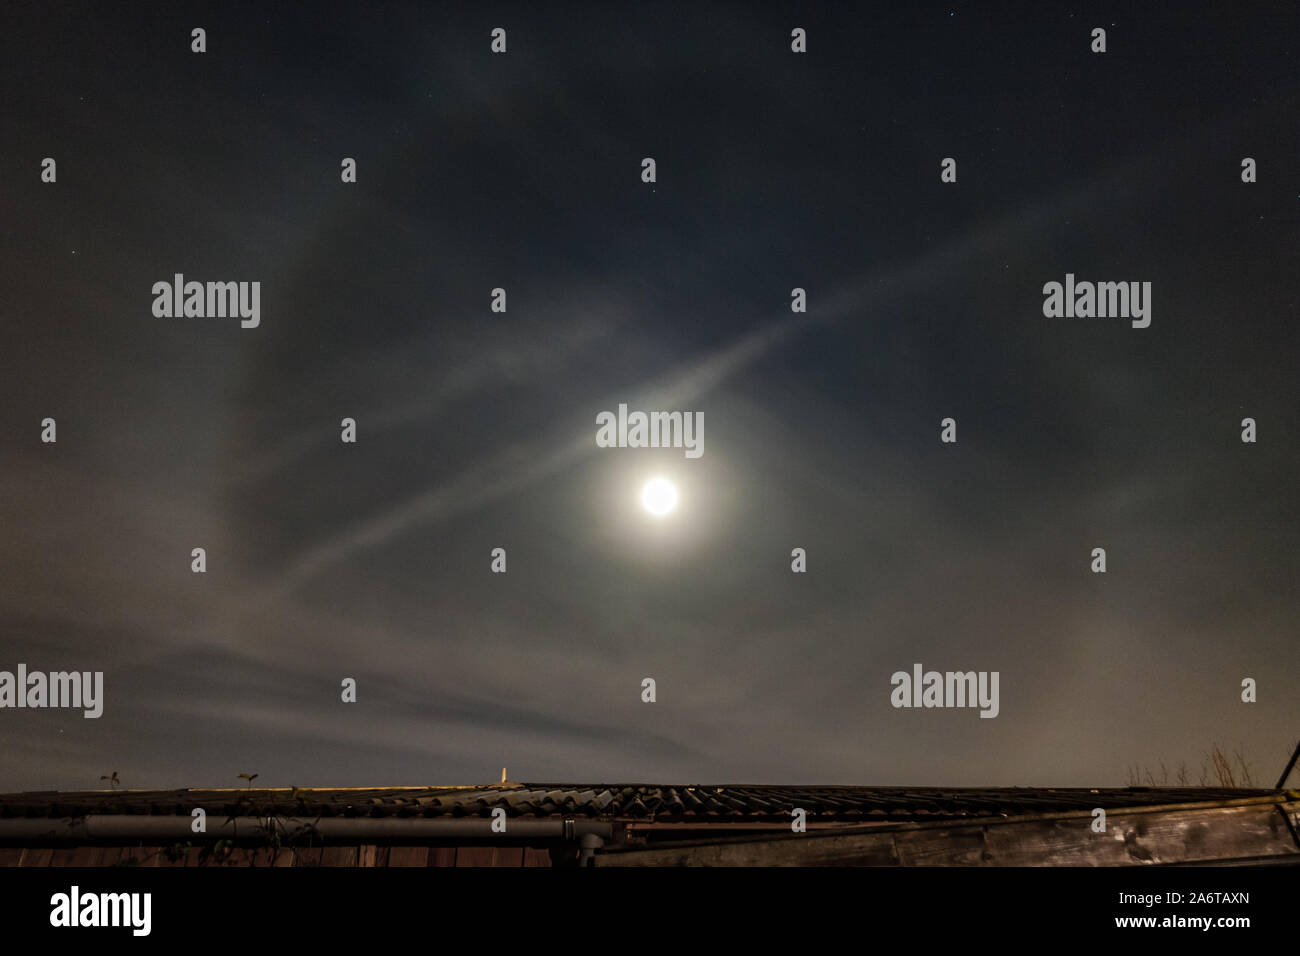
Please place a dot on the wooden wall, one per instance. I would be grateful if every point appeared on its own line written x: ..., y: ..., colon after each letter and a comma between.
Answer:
x: 1257, y: 830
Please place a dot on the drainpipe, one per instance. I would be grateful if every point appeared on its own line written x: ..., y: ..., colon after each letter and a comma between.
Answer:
x: 130, y: 829
x: 588, y: 844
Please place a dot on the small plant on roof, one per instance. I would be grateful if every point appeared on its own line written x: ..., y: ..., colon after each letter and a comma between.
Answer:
x: 219, y: 853
x: 244, y: 799
x: 113, y: 782
x: 1217, y: 769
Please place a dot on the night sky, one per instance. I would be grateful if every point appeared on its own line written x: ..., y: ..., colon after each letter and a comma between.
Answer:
x: 476, y: 430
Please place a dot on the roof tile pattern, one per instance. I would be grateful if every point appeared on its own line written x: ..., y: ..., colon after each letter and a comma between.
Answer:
x: 631, y: 802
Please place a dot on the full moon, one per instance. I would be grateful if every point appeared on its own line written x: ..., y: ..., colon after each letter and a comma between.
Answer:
x: 659, y: 496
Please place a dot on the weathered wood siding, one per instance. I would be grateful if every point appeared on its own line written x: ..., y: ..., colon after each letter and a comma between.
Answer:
x: 1157, y: 836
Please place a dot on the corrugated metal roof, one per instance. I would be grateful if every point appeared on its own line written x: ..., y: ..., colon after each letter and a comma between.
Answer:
x: 630, y: 802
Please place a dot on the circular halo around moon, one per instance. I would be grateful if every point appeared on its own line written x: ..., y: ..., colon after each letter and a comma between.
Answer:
x: 659, y: 496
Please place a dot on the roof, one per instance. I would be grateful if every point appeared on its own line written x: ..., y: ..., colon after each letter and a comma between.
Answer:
x: 722, y: 803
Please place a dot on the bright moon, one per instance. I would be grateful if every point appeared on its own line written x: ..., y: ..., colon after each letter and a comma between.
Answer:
x: 659, y: 496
